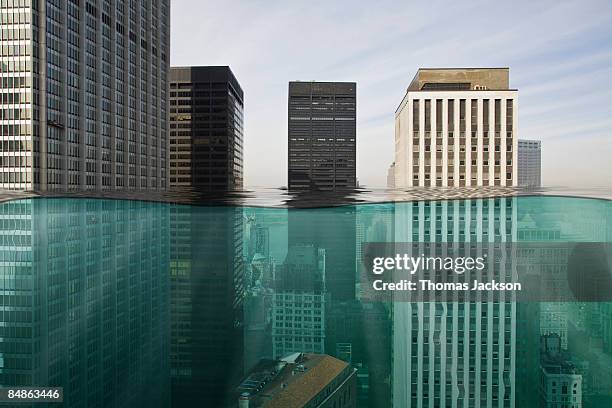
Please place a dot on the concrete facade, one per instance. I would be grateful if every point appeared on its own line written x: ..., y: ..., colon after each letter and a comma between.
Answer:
x: 456, y: 354
x: 457, y: 128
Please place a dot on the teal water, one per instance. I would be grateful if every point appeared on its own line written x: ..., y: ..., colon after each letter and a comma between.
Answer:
x: 144, y: 304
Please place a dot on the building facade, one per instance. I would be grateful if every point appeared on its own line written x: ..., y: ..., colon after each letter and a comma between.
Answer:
x: 322, y: 133
x: 391, y: 176
x: 456, y: 127
x: 206, y: 129
x: 530, y: 163
x: 299, y: 380
x: 85, y: 294
x: 456, y: 353
x: 561, y: 383
x: 84, y: 95
x: 206, y: 303
x: 299, y: 302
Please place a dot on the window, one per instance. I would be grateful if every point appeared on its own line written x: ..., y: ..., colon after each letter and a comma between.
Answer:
x: 451, y: 117
x: 415, y: 116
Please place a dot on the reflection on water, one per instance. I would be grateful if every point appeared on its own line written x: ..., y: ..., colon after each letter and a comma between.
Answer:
x: 134, y: 303
x: 281, y: 197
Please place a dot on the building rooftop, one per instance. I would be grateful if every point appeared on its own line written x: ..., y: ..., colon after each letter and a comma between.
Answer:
x: 460, y: 79
x: 290, y: 382
x: 553, y: 359
x: 529, y: 142
x: 298, y: 88
x: 213, y: 73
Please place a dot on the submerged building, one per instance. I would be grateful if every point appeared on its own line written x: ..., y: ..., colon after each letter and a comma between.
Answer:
x: 84, y: 291
x: 457, y: 127
x: 84, y: 95
x: 451, y: 353
x: 299, y: 380
x: 299, y: 302
x: 206, y: 303
x: 561, y: 383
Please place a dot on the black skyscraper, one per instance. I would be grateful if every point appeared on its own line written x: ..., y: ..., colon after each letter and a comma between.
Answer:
x: 322, y: 129
x: 206, y: 129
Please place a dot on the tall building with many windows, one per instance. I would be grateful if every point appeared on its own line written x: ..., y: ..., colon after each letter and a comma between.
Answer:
x: 456, y: 127
x: 84, y: 94
x: 530, y: 163
x: 85, y: 292
x: 457, y: 353
x: 299, y: 302
x: 206, y: 303
x: 322, y: 133
x: 206, y: 129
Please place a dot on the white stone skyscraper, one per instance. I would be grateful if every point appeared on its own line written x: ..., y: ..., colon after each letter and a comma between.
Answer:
x: 456, y: 127
x: 84, y: 94
x: 456, y: 353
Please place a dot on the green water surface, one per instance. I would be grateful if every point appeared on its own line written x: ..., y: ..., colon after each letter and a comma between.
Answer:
x: 142, y: 304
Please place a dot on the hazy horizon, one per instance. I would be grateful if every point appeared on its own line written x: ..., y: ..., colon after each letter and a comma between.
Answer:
x: 559, y: 55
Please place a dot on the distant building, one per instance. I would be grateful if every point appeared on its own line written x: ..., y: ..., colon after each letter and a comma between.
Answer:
x: 391, y: 176
x: 206, y: 129
x: 300, y: 380
x: 456, y: 127
x: 259, y: 241
x: 530, y: 163
x: 322, y: 134
x: 561, y: 384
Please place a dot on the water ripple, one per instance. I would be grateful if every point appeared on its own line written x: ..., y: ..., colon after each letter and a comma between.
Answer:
x: 281, y: 197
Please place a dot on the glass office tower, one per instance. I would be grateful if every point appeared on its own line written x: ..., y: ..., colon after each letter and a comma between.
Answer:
x: 530, y: 163
x: 84, y: 95
x: 84, y: 293
x: 206, y: 129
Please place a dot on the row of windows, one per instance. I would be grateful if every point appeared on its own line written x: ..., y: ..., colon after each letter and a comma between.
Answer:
x: 486, y: 107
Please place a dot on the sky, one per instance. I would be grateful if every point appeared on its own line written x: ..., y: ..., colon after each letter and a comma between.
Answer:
x: 559, y: 54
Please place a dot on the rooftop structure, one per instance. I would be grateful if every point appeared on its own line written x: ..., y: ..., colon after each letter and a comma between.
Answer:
x: 297, y: 380
x: 460, y: 79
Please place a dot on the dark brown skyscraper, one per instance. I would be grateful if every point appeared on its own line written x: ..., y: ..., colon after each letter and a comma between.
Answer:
x: 322, y: 130
x: 206, y: 129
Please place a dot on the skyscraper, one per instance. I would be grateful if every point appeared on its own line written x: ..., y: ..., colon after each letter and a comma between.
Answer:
x: 322, y: 134
x: 456, y: 127
x: 299, y: 302
x: 206, y: 303
x: 84, y: 95
x: 561, y: 383
x: 88, y: 285
x: 206, y: 129
x: 308, y: 226
x: 456, y: 353
x: 530, y: 163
